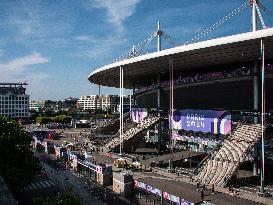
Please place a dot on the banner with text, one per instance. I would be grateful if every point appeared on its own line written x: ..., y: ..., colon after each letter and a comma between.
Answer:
x: 202, y: 120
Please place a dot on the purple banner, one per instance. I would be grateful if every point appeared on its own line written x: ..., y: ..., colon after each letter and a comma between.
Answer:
x: 202, y: 120
x: 138, y: 114
x: 153, y: 190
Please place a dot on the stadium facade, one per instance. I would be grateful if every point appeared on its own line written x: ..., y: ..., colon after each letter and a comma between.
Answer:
x: 204, y: 90
x: 219, y: 72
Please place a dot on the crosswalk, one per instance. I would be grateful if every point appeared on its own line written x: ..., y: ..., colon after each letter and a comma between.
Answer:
x: 38, y: 185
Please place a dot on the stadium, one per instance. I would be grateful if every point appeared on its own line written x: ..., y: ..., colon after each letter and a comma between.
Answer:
x: 201, y: 110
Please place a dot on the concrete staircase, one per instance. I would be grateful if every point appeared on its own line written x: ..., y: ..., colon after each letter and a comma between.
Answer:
x: 131, y: 133
x: 224, y: 162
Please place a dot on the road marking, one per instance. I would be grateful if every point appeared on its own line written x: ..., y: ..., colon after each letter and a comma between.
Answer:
x: 34, y: 185
x: 38, y: 185
x: 43, y: 184
x: 51, y: 183
x: 48, y: 184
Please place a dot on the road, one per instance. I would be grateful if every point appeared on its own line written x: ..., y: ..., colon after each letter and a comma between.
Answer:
x: 89, y: 191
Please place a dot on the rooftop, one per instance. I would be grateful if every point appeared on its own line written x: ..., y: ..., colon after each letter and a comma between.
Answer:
x: 238, y: 48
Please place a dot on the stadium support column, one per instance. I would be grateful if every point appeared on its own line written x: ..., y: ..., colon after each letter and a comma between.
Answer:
x: 121, y: 110
x: 130, y: 99
x: 158, y: 107
x: 255, y: 88
x: 134, y: 97
x: 255, y: 108
x: 171, y: 112
x: 263, y: 118
x: 158, y: 92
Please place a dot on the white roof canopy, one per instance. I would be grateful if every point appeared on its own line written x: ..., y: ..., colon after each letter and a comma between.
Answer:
x: 238, y: 48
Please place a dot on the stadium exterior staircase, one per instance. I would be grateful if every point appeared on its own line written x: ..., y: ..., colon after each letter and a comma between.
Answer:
x: 110, y: 126
x: 132, y: 132
x: 224, y: 162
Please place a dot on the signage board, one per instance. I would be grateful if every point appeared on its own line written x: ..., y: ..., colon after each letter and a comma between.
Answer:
x: 202, y: 120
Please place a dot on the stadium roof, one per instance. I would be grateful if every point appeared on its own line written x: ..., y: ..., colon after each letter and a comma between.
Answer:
x: 231, y: 49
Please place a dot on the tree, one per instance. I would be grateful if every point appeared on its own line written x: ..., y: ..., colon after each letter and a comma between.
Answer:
x: 18, y: 165
x: 68, y: 198
x: 43, y: 120
x: 62, y: 119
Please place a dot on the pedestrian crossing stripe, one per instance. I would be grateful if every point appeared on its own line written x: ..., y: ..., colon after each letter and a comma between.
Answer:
x: 33, y: 185
x: 44, y: 184
x: 48, y: 184
x: 51, y: 183
x: 39, y: 185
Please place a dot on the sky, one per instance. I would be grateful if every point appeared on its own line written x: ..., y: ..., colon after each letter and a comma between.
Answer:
x: 53, y: 45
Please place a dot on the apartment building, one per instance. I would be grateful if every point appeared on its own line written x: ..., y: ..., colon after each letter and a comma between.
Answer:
x: 14, y: 102
x: 97, y: 102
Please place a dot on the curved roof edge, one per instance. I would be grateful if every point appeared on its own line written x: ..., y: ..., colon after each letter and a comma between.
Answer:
x: 195, y: 46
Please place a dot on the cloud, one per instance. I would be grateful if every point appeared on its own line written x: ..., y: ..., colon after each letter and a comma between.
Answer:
x: 31, y: 21
x: 20, y: 64
x: 117, y: 11
x: 1, y: 52
x: 87, y: 38
x: 21, y: 70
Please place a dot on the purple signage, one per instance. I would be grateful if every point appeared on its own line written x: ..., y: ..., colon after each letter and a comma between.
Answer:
x: 153, y: 190
x: 202, y: 120
x: 183, y: 202
x: 166, y: 195
x: 138, y: 114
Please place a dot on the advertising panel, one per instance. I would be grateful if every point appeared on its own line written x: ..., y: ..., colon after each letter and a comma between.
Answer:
x: 183, y: 202
x: 138, y: 114
x: 142, y: 185
x: 99, y: 169
x: 202, y: 120
x: 153, y: 190
x: 174, y: 199
x: 135, y: 183
x: 166, y: 195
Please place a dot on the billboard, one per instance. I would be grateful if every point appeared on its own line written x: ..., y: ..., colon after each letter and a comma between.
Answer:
x: 202, y: 120
x: 164, y: 194
x: 138, y: 114
x: 153, y: 190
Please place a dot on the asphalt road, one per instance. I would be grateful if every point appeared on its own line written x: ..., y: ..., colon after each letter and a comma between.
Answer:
x: 89, y: 191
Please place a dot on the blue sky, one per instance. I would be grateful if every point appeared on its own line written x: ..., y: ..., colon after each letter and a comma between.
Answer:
x: 55, y: 44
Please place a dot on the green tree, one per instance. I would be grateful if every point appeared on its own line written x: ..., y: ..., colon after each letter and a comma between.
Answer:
x: 43, y: 120
x: 62, y: 119
x: 18, y: 165
x: 68, y: 198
